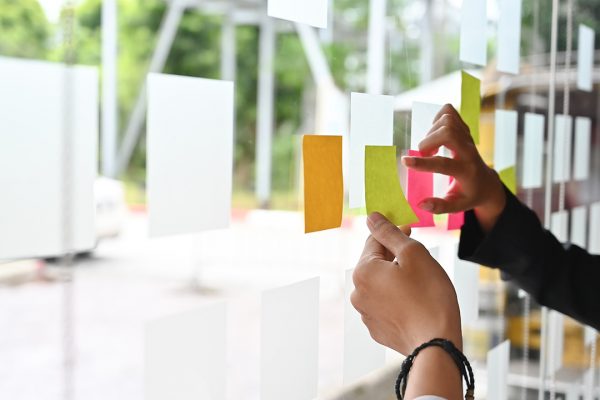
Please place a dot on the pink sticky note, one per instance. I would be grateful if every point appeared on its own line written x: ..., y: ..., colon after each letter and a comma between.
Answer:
x: 419, y: 186
x: 456, y: 220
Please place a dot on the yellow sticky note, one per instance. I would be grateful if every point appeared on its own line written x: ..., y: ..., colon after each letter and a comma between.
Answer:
x: 470, y: 103
x: 508, y: 176
x: 382, y: 186
x: 323, y: 183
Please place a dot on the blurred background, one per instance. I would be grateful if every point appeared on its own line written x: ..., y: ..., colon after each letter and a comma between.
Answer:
x: 77, y: 332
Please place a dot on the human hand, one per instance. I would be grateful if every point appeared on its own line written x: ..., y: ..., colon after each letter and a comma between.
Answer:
x: 475, y: 185
x: 404, y: 296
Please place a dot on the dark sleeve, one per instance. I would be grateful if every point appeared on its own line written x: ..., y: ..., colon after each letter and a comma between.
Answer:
x: 563, y: 277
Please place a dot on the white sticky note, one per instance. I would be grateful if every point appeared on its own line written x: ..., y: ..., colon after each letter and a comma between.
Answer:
x: 185, y: 355
x: 579, y: 226
x: 473, y: 32
x: 559, y: 225
x: 594, y: 233
x: 466, y: 284
x: 585, y: 58
x: 421, y: 120
x: 583, y: 145
x: 563, y: 139
x: 33, y: 122
x: 505, y: 140
x: 590, y: 335
x: 498, y: 360
x: 509, y: 36
x: 190, y: 154
x: 289, y: 342
x: 362, y: 354
x: 588, y: 384
x: 310, y: 12
x: 556, y: 340
x: 533, y: 151
x: 371, y: 123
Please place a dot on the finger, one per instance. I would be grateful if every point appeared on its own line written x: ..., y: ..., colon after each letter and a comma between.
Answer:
x: 386, y: 233
x: 446, y: 109
x: 374, y: 250
x: 437, y: 164
x: 443, y: 136
x: 449, y: 204
x: 406, y: 229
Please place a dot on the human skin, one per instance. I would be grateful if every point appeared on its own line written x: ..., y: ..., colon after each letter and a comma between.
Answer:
x: 405, y: 299
x: 475, y: 187
x: 404, y: 296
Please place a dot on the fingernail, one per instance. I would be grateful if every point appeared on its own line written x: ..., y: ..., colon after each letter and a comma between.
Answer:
x: 375, y: 218
x: 409, y: 161
x: 426, y: 205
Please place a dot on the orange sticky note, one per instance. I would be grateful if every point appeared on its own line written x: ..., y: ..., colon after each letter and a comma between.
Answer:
x: 323, y: 182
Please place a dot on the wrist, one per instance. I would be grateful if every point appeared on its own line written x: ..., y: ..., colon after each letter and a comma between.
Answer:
x: 493, y: 204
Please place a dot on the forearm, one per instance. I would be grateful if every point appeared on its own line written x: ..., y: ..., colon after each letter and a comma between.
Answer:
x: 434, y: 373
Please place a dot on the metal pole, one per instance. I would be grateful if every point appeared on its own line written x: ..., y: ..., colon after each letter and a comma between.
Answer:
x: 228, y: 47
x: 166, y: 36
x: 376, y: 49
x: 548, y: 192
x: 264, y: 119
x: 109, y: 87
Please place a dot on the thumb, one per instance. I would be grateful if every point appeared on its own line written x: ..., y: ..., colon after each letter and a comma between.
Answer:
x: 386, y: 233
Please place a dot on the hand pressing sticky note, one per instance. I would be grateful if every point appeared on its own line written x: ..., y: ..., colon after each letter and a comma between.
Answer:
x: 419, y: 186
x: 470, y: 103
x: 382, y: 187
x: 323, y: 183
x: 508, y: 176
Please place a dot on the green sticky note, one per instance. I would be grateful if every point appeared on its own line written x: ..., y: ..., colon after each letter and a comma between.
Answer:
x: 383, y: 193
x: 470, y: 103
x: 508, y: 176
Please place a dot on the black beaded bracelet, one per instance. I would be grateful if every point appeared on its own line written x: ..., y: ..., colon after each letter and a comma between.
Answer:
x: 459, y: 359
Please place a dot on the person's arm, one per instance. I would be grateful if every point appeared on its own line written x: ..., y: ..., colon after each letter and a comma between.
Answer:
x: 501, y: 232
x: 406, y: 299
x: 563, y: 277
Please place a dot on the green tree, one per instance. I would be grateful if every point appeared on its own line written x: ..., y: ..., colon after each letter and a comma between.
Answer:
x: 24, y: 29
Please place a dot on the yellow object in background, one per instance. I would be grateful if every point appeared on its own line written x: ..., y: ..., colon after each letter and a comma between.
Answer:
x: 470, y: 103
x: 508, y: 176
x: 383, y: 193
x: 323, y: 182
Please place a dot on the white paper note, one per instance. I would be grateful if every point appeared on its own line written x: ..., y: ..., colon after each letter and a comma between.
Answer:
x: 421, y: 120
x: 362, y: 354
x: 585, y: 58
x: 497, y: 371
x: 556, y: 340
x: 473, y: 32
x: 289, y: 342
x: 590, y: 335
x: 588, y: 384
x: 509, y: 36
x: 533, y: 152
x: 594, y: 233
x: 466, y: 284
x: 559, y: 225
x: 505, y: 139
x: 563, y: 139
x: 371, y: 123
x: 310, y: 12
x: 32, y: 157
x: 583, y: 145
x: 579, y: 226
x: 185, y: 355
x: 190, y: 154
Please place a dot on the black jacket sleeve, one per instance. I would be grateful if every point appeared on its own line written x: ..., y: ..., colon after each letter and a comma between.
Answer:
x: 563, y: 277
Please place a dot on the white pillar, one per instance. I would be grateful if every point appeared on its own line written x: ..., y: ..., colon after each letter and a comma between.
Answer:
x: 109, y: 87
x: 264, y: 118
x: 376, y: 49
x: 228, y: 48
